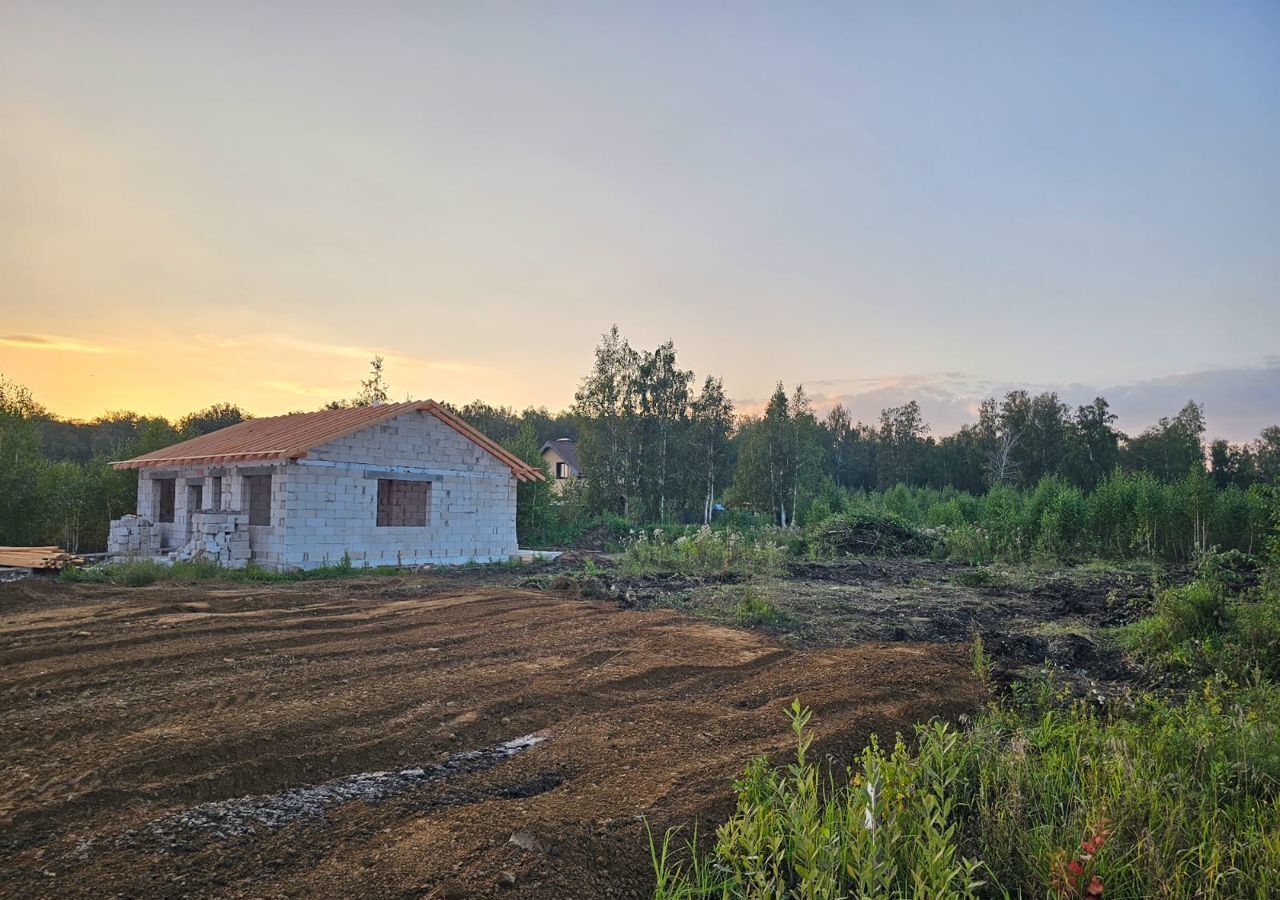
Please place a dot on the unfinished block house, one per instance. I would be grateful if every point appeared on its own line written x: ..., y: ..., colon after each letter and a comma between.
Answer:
x: 394, y: 484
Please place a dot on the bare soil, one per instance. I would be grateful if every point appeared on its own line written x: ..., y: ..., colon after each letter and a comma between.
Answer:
x: 436, y: 735
x: 1025, y: 617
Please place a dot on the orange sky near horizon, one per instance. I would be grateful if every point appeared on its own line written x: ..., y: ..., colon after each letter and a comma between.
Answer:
x: 174, y: 374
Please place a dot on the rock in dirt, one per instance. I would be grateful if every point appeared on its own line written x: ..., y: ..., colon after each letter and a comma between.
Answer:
x: 525, y: 841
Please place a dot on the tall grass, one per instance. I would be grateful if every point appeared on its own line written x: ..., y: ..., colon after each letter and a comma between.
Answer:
x: 707, y: 551
x: 1043, y: 800
x: 142, y: 572
x: 1213, y: 625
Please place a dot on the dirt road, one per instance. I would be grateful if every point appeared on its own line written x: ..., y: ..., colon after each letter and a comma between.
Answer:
x: 133, y: 720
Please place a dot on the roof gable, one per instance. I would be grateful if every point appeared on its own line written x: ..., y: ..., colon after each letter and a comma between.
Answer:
x: 566, y: 449
x: 291, y: 436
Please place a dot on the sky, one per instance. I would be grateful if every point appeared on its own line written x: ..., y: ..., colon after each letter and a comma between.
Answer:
x: 244, y: 202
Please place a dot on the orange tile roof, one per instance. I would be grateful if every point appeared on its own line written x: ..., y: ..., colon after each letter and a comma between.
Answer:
x: 291, y: 436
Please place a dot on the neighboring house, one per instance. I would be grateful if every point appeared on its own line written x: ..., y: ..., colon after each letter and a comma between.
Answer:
x: 561, y: 456
x: 392, y: 484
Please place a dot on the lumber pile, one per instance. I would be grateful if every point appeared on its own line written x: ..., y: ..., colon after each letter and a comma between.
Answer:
x: 39, y: 557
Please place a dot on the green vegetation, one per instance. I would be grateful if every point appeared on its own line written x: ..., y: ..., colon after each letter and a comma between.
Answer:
x: 979, y: 576
x: 1032, y: 477
x: 861, y: 529
x: 1214, y: 626
x: 142, y: 572
x: 707, y: 551
x: 752, y: 609
x: 1127, y: 517
x: 1039, y: 799
x: 1173, y: 794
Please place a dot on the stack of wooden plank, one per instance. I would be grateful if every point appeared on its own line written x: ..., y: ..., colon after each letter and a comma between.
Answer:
x: 39, y: 557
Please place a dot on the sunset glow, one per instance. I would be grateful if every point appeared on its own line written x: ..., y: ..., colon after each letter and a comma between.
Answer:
x: 246, y: 204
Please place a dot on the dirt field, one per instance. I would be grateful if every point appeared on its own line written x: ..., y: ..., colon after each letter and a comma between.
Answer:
x: 424, y: 736
x: 1025, y: 617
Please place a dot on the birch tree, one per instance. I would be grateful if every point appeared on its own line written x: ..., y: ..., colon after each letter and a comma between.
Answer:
x: 605, y: 408
x: 712, y: 420
x: 662, y: 390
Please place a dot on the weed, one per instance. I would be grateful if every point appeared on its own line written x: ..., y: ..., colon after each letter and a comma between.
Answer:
x: 981, y: 576
x: 752, y: 610
x: 981, y: 661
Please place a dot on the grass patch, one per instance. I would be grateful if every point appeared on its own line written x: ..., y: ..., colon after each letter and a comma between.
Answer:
x: 753, y: 611
x: 1067, y: 628
x: 1219, y: 624
x: 979, y: 577
x: 142, y: 572
x: 707, y: 551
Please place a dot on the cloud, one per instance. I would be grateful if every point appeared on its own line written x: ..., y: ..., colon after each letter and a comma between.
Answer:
x: 50, y: 342
x: 1239, y: 402
x: 270, y: 343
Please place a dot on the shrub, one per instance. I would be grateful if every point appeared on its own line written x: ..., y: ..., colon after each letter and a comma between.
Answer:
x: 1064, y: 523
x: 788, y: 837
x: 1220, y: 622
x: 970, y: 543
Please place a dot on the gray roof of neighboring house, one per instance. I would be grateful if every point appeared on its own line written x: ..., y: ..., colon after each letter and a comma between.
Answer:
x: 567, y: 450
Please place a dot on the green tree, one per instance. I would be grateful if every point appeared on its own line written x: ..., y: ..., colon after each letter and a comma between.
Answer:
x: 210, y: 419
x: 1231, y: 464
x: 1266, y: 455
x: 533, y: 498
x: 605, y: 408
x: 1093, y: 445
x: 21, y: 461
x: 1031, y: 437
x: 1171, y: 446
x: 764, y: 476
x: 64, y: 496
x: 374, y: 389
x: 711, y: 414
x: 662, y: 391
x: 807, y: 458
x: 902, y: 431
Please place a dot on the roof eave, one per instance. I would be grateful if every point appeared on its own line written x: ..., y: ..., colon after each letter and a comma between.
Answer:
x: 159, y: 462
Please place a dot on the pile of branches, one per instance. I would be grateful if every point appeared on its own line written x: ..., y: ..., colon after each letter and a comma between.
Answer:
x: 868, y: 533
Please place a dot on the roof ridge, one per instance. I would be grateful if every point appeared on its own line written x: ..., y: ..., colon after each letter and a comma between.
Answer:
x: 249, y: 440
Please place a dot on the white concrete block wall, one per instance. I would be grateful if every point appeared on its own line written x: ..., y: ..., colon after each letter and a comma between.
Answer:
x: 266, y: 541
x: 332, y: 500
x: 326, y: 504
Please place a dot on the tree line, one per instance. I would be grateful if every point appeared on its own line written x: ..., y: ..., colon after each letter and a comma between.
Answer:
x: 655, y: 450
x: 661, y: 447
